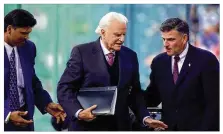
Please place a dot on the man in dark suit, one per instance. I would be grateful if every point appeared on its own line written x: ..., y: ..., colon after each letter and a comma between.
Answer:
x: 23, y: 89
x: 186, y: 80
x: 104, y: 62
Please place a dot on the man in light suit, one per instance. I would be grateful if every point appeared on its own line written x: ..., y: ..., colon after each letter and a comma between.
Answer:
x: 104, y: 62
x: 186, y: 80
x: 22, y: 88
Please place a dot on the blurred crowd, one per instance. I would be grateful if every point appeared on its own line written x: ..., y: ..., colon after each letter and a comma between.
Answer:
x: 205, y: 22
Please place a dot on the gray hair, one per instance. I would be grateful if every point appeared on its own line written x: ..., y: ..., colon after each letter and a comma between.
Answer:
x: 106, y: 20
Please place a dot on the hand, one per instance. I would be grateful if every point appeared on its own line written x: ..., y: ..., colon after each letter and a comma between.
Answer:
x: 56, y: 111
x: 86, y: 114
x: 156, y: 124
x: 16, y: 118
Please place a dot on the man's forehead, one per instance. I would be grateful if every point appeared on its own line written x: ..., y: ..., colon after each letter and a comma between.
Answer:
x: 25, y: 29
x: 170, y: 33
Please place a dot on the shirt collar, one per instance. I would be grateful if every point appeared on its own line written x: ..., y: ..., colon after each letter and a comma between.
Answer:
x: 105, y: 50
x: 184, y: 53
x: 9, y: 48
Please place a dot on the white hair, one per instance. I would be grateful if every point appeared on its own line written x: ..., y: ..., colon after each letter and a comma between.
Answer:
x: 106, y: 20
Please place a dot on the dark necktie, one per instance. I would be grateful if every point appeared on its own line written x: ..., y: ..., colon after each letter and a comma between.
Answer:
x: 13, y: 91
x: 110, y: 58
x: 175, y: 68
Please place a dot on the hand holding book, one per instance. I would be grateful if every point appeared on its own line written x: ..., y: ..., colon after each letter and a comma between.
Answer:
x: 87, y: 114
x: 103, y: 97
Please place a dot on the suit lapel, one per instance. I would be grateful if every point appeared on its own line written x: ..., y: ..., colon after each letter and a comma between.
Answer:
x: 6, y: 61
x: 186, y: 66
x: 22, y: 57
x: 98, y: 54
x: 125, y: 68
x: 121, y: 68
x: 6, y: 72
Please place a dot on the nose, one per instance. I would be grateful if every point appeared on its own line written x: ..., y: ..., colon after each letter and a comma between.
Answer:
x: 165, y: 43
x: 26, y: 37
x: 122, y: 38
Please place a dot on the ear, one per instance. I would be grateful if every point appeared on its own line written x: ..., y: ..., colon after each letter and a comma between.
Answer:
x: 185, y: 38
x: 9, y: 29
x: 103, y: 32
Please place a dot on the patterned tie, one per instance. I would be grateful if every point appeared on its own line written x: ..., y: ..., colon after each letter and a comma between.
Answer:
x: 175, y: 68
x: 110, y: 58
x: 13, y: 91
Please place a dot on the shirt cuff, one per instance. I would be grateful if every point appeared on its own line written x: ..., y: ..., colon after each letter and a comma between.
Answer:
x: 144, y: 120
x: 7, y: 118
x: 76, y: 114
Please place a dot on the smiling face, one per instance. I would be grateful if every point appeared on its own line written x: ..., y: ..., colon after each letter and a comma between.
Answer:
x: 17, y: 36
x: 114, y: 35
x: 174, y: 42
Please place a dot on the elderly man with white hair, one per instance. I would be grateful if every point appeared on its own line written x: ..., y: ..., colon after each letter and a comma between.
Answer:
x: 101, y: 63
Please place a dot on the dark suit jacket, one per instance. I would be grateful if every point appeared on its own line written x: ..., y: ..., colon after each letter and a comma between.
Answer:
x: 87, y: 68
x: 193, y: 103
x: 34, y: 93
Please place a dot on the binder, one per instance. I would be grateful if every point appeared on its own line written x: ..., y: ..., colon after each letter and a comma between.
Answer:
x: 104, y: 97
